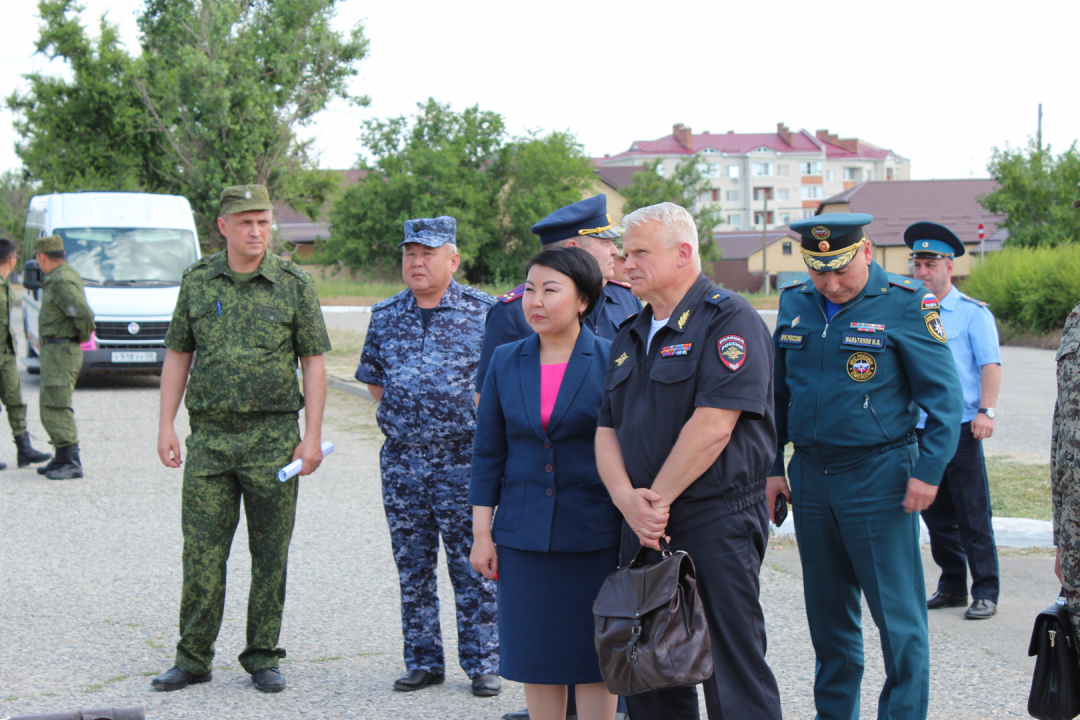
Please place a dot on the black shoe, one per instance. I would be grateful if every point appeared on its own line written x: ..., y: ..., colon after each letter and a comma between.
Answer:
x: 417, y: 679
x: 52, y: 464
x: 178, y: 679
x: 70, y: 467
x: 943, y: 600
x: 981, y: 610
x: 268, y: 680
x: 486, y: 685
x: 517, y: 715
x: 27, y: 455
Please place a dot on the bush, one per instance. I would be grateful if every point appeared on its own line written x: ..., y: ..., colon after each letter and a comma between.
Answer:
x: 1035, y: 289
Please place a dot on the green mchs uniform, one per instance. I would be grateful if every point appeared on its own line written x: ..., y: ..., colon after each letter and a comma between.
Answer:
x: 243, y: 397
x: 65, y: 321
x: 850, y: 380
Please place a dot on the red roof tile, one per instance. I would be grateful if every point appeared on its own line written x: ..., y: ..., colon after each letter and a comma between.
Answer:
x: 734, y: 143
x: 619, y: 176
x: 739, y: 245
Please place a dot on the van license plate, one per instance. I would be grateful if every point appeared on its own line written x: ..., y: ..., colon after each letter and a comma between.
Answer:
x: 134, y: 357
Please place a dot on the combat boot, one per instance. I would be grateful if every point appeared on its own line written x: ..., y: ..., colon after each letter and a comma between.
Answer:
x: 27, y: 454
x: 70, y: 468
x: 52, y: 465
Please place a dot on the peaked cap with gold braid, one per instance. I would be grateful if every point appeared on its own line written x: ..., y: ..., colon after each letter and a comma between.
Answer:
x: 831, y: 241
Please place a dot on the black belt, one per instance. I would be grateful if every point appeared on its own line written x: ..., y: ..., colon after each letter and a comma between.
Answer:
x: 58, y: 341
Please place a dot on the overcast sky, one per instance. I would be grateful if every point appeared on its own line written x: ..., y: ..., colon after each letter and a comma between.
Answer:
x: 939, y: 82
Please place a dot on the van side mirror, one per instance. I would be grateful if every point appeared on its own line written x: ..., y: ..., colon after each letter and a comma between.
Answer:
x: 32, y: 275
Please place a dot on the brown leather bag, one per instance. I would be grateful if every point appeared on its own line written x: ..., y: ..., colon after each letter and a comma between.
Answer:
x: 650, y: 626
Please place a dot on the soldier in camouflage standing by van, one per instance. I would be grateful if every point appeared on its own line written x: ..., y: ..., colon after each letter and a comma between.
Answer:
x: 10, y: 387
x: 64, y: 322
x: 247, y: 318
x: 1065, y: 463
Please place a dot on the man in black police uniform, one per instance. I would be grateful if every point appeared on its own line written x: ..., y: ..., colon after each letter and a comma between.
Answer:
x: 684, y: 442
x: 584, y: 224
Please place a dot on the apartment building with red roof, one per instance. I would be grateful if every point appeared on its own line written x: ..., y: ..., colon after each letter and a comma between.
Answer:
x: 771, y: 178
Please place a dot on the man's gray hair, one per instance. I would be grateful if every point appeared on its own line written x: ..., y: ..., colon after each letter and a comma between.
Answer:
x: 677, y: 223
x: 451, y: 248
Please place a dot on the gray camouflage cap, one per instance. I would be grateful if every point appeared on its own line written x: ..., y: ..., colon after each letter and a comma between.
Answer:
x: 433, y: 232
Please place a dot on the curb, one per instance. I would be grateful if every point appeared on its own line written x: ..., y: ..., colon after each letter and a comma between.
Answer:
x: 349, y: 386
x: 1008, y: 532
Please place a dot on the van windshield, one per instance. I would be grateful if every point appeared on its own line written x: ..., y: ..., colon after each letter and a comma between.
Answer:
x: 129, y: 256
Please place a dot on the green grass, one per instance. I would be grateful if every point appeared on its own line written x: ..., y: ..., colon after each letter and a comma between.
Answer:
x: 353, y: 292
x: 1019, y: 490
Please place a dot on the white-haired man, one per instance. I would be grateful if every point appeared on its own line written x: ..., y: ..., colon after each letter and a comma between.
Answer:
x: 685, y: 440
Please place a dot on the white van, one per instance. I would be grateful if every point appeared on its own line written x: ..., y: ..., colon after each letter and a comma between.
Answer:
x: 131, y: 250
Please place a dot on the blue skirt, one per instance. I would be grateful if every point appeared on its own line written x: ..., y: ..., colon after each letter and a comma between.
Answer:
x: 545, y: 614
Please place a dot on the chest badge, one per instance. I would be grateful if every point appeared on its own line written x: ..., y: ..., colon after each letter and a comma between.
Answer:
x: 673, y: 350
x: 732, y: 349
x: 682, y: 319
x: 867, y: 327
x: 861, y: 366
x: 796, y: 321
x: 621, y: 359
x: 934, y: 325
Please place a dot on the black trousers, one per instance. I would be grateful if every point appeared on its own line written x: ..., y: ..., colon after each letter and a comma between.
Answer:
x: 727, y: 555
x: 961, y: 532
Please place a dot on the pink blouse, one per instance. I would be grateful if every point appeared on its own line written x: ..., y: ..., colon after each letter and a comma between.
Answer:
x: 550, y: 379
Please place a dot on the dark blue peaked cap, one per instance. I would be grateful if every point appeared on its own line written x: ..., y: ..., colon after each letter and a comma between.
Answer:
x: 433, y: 232
x: 930, y: 240
x: 585, y: 217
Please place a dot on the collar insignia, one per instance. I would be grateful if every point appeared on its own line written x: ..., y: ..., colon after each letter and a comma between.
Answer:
x: 796, y: 320
x: 621, y: 359
x: 682, y: 320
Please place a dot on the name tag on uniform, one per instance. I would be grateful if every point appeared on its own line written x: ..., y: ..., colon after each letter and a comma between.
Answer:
x: 790, y: 338
x: 868, y: 341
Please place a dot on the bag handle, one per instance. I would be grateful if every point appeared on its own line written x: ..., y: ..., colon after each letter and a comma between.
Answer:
x: 639, y: 556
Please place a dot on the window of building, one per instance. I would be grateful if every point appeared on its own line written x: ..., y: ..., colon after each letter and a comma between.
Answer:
x: 735, y: 220
x: 850, y: 174
x: 762, y: 193
x: 781, y: 169
x: 762, y: 169
x: 831, y: 176
x: 783, y: 194
x: 808, y: 213
x: 810, y: 168
x: 869, y: 176
x: 733, y: 171
x: 785, y: 218
x: 787, y: 245
x: 813, y: 192
x: 712, y: 170
x: 889, y: 174
x: 708, y: 151
x: 766, y: 217
x: 733, y: 195
x: 715, y: 195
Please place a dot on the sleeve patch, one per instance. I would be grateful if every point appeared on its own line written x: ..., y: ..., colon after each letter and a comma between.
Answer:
x: 930, y: 302
x: 934, y: 325
x: 732, y: 349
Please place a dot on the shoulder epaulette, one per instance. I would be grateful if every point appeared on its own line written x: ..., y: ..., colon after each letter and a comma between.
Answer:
x: 716, y: 296
x: 795, y: 283
x: 629, y: 319
x: 906, y: 283
x: 293, y: 269
x: 970, y: 299
x: 620, y: 283
x: 513, y: 294
x: 477, y: 294
x: 387, y: 302
x: 204, y: 260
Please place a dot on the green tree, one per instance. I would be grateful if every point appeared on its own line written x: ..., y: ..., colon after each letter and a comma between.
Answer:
x: 443, y: 162
x: 685, y: 187
x: 15, y: 194
x: 215, y: 98
x: 89, y: 132
x: 1036, y: 193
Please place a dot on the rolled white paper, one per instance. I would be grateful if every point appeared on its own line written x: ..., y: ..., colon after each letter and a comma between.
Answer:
x: 293, y: 468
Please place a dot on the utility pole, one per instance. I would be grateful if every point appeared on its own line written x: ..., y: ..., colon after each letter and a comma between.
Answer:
x: 765, y: 241
x: 1039, y: 135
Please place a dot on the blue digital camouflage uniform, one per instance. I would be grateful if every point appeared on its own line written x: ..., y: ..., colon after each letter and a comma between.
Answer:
x: 846, y: 391
x: 428, y: 416
x: 243, y: 399
x: 506, y: 320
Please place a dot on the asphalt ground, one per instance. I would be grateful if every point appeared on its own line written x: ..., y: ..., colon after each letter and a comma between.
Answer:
x: 90, y: 582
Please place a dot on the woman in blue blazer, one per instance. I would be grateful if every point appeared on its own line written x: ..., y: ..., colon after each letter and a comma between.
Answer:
x: 555, y: 536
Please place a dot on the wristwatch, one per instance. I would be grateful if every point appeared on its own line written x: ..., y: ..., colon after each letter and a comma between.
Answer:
x: 990, y: 412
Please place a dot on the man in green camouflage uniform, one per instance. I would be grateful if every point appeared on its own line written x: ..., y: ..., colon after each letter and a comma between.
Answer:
x: 247, y: 317
x: 10, y: 387
x: 1065, y: 463
x: 65, y: 321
